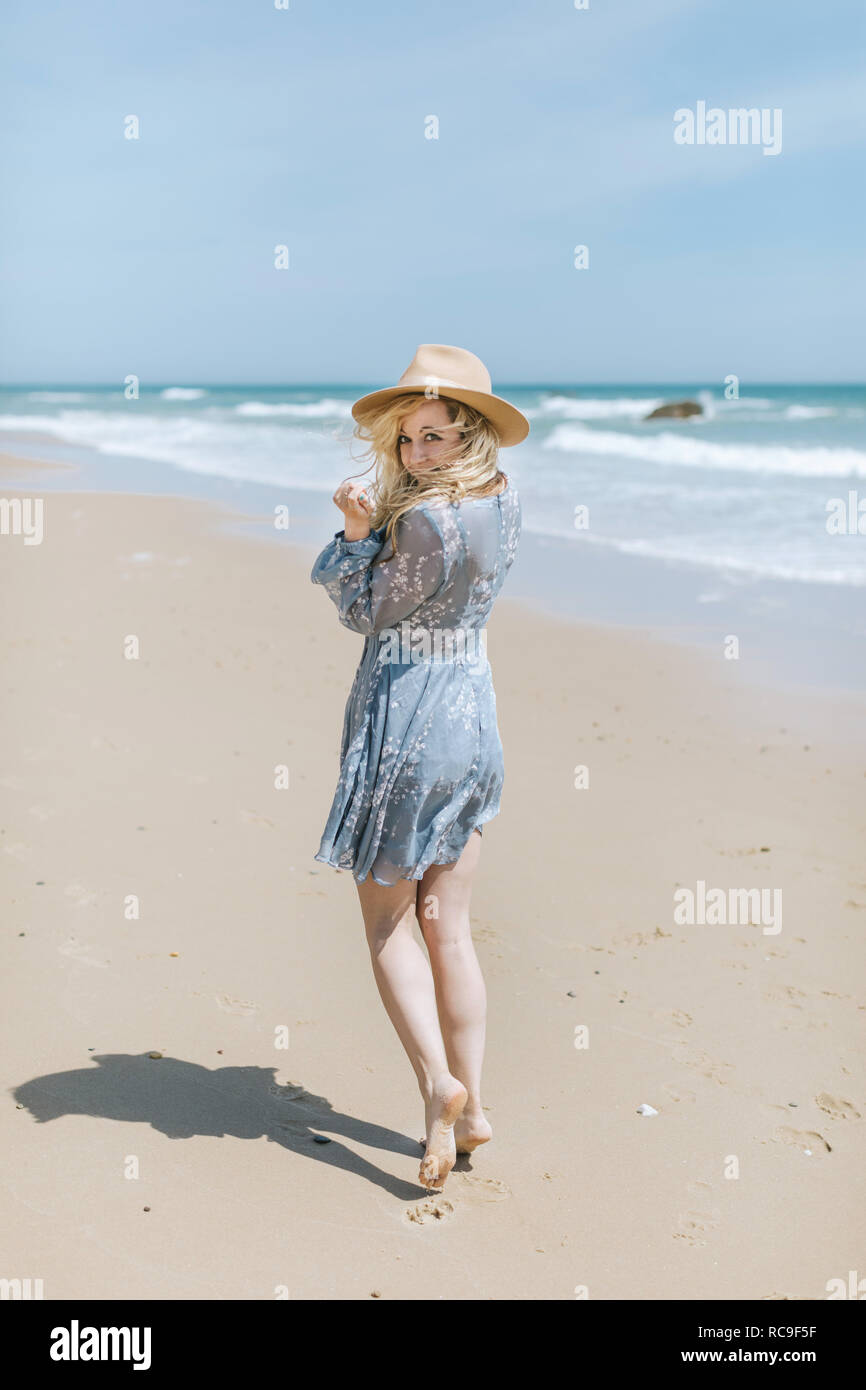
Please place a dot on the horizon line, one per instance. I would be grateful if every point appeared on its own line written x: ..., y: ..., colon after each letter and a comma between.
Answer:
x: 192, y: 385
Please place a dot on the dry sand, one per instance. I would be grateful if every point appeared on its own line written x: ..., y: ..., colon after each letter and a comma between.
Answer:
x: 197, y: 1175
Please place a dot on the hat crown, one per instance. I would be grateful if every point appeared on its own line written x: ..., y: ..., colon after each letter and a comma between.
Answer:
x: 457, y: 374
x: 438, y: 364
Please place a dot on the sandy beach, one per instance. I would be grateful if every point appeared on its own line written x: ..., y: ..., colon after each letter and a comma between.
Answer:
x: 163, y: 899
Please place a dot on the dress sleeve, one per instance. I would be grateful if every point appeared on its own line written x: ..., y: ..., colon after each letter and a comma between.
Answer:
x: 373, y: 589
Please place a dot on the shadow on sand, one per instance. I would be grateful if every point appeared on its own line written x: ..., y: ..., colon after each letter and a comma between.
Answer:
x: 183, y: 1099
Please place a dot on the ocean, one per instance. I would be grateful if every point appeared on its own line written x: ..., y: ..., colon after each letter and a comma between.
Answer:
x: 716, y: 506
x: 743, y: 488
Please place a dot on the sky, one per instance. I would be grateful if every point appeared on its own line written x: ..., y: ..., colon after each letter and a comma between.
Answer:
x: 305, y: 127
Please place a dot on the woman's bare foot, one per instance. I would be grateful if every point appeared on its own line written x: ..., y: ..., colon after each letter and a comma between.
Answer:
x: 440, y: 1155
x: 469, y: 1132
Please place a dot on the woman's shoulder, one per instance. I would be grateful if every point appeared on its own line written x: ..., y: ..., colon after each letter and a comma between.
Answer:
x: 491, y: 493
x: 423, y: 525
x: 440, y: 513
x: 445, y: 504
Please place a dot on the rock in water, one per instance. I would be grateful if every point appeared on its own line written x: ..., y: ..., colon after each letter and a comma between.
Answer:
x: 676, y: 410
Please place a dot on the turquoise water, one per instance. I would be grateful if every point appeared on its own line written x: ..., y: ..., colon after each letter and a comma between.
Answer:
x: 742, y: 490
x: 697, y: 529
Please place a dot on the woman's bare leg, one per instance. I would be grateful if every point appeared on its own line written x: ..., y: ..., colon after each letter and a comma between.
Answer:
x: 442, y: 910
x: 405, y: 984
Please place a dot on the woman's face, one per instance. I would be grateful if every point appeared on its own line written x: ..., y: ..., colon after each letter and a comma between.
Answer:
x: 427, y: 438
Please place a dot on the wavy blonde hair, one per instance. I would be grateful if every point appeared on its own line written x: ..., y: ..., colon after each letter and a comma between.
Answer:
x: 474, y: 473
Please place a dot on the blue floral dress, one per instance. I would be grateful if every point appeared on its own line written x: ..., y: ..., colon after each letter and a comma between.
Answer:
x: 420, y: 759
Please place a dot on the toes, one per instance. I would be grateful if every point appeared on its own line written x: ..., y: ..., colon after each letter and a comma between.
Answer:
x: 434, y: 1170
x: 429, y: 1173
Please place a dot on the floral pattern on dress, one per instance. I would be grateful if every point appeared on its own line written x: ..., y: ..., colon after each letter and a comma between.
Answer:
x: 421, y: 761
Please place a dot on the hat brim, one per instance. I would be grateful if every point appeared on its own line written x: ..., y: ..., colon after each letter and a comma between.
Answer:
x: 511, y: 426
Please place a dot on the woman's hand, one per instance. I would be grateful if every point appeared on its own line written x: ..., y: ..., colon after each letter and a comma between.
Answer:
x: 354, y: 502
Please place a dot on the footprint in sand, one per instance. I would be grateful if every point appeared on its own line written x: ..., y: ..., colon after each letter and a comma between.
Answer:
x: 786, y: 994
x: 645, y: 938
x: 484, y: 934
x: 712, y: 1070
x: 700, y: 1189
x: 677, y: 1016
x: 426, y: 1213
x: 837, y: 1106
x: 481, y: 1189
x: 804, y: 1139
x: 236, y: 1006
x: 678, y: 1093
x: 695, y: 1226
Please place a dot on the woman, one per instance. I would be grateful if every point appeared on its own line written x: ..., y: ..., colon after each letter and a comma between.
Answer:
x: 416, y: 569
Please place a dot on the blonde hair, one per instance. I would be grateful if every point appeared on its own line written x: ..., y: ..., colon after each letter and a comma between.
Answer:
x: 474, y: 472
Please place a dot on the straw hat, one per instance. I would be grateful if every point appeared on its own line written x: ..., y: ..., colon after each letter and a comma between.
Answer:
x: 437, y: 371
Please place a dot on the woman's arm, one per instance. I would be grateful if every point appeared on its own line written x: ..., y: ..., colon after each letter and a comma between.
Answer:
x: 371, y: 593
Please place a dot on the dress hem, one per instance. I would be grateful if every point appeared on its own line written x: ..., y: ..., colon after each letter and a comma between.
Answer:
x: 413, y: 877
